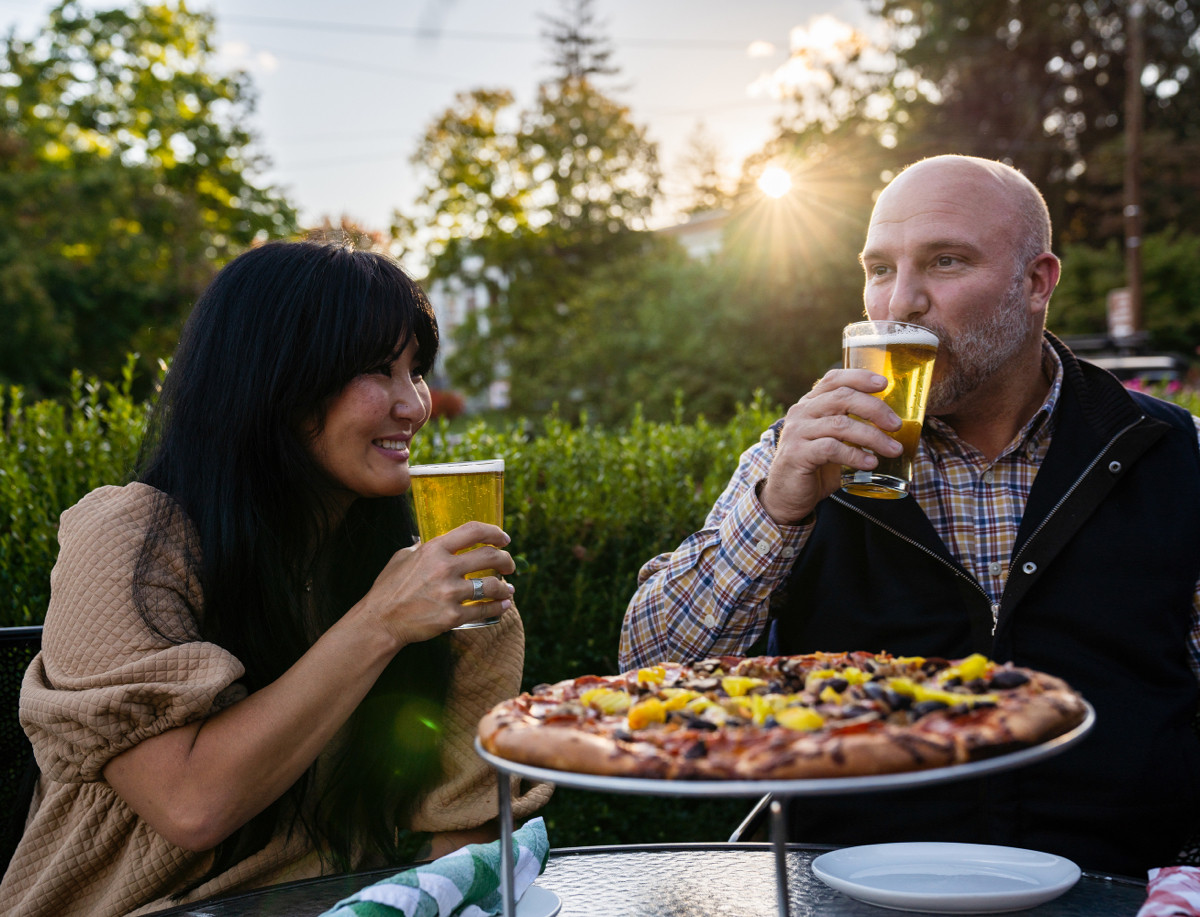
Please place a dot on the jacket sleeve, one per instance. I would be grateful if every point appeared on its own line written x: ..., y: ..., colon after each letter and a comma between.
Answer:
x: 104, y: 681
x: 710, y: 596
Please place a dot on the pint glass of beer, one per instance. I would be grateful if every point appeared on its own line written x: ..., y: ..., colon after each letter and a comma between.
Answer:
x: 448, y: 494
x: 903, y: 354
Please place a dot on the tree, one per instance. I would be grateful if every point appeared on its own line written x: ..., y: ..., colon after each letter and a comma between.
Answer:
x: 126, y: 171
x: 701, y: 168
x: 579, y: 50
x: 1042, y: 85
x: 528, y: 204
x: 659, y: 333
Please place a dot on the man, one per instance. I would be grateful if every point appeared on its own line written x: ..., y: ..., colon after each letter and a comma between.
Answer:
x: 1054, y: 521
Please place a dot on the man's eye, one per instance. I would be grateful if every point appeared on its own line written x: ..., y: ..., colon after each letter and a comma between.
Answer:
x: 946, y: 261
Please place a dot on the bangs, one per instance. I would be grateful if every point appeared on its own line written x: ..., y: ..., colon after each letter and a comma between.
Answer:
x: 370, y: 318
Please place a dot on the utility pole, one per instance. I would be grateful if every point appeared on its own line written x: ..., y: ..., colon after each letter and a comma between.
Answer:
x: 1134, y: 110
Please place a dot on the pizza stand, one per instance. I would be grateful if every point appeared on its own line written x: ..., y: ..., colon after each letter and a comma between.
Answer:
x: 777, y: 789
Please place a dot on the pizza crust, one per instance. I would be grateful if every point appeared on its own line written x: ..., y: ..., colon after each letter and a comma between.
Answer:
x: 552, y: 728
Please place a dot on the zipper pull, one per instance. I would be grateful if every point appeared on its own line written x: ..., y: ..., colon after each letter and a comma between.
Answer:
x: 995, y: 616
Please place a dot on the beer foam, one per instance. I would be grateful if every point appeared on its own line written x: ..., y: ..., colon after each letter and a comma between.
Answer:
x: 913, y: 334
x: 483, y: 466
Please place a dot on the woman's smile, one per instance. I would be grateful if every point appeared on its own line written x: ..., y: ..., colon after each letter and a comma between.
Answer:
x: 363, y: 444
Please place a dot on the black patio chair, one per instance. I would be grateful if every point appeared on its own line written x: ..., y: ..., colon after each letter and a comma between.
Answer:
x: 18, y: 771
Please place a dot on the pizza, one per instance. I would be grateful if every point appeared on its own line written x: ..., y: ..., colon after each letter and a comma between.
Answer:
x: 818, y: 715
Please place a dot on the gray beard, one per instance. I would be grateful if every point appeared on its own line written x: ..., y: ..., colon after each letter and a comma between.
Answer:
x: 976, y: 354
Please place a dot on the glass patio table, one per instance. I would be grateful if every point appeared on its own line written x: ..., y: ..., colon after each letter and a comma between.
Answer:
x: 670, y: 880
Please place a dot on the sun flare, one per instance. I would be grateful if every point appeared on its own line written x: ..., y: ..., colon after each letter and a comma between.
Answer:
x: 775, y: 182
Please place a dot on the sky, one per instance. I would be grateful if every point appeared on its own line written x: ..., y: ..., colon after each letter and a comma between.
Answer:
x: 344, y: 91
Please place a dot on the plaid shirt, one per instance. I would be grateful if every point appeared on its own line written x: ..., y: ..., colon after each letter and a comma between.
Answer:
x: 710, y: 596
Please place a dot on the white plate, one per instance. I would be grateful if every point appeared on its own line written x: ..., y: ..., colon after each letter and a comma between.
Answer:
x: 946, y: 878
x: 538, y: 902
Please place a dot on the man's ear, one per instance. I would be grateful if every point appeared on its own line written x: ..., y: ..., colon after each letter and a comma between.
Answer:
x: 1042, y: 273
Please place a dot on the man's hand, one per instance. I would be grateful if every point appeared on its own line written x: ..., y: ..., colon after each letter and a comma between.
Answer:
x: 820, y: 435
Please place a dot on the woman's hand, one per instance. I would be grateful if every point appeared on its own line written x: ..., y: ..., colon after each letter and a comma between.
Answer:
x: 421, y: 591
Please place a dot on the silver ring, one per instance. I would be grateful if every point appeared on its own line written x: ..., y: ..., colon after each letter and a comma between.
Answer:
x: 476, y: 589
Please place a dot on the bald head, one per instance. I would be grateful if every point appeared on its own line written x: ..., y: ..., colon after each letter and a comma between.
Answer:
x: 996, y: 191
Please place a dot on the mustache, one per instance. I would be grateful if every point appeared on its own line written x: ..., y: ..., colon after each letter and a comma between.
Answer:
x: 945, y: 342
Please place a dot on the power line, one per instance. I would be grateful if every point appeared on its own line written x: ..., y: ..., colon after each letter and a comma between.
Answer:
x: 678, y: 44
x: 343, y: 161
x: 420, y: 75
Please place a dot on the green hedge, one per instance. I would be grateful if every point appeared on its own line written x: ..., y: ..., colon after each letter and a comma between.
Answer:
x: 50, y: 456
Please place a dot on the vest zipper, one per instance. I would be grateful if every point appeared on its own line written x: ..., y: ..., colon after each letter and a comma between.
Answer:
x: 1070, y: 490
x: 961, y: 573
x: 955, y: 568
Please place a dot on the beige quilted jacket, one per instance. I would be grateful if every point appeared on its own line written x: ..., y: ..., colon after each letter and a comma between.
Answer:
x: 103, y: 682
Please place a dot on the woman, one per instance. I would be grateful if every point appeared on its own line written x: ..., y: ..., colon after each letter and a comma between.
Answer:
x: 249, y: 673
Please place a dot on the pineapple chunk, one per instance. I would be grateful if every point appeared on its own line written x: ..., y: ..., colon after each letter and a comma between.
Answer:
x: 738, y: 685
x: 647, y: 712
x: 974, y: 666
x: 698, y: 704
x: 854, y: 675
x: 654, y: 675
x: 803, y: 719
x: 760, y: 708
x: 677, y: 698
x: 830, y: 696
x: 606, y: 700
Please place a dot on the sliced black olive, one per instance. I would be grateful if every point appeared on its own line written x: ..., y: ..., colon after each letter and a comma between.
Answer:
x: 952, y: 682
x: 838, y: 684
x: 622, y: 735
x: 854, y: 710
x: 976, y: 685
x: 927, y: 706
x: 898, y: 701
x: 697, y: 722
x: 1008, y: 678
x: 770, y: 722
x: 696, y: 750
x: 875, y: 691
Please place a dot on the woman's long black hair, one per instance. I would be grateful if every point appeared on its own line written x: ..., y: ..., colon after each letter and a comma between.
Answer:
x: 282, y: 329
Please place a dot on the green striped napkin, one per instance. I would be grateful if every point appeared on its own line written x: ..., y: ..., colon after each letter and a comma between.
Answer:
x: 465, y: 883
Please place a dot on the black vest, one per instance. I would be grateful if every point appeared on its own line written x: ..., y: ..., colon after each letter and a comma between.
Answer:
x: 1099, y: 592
